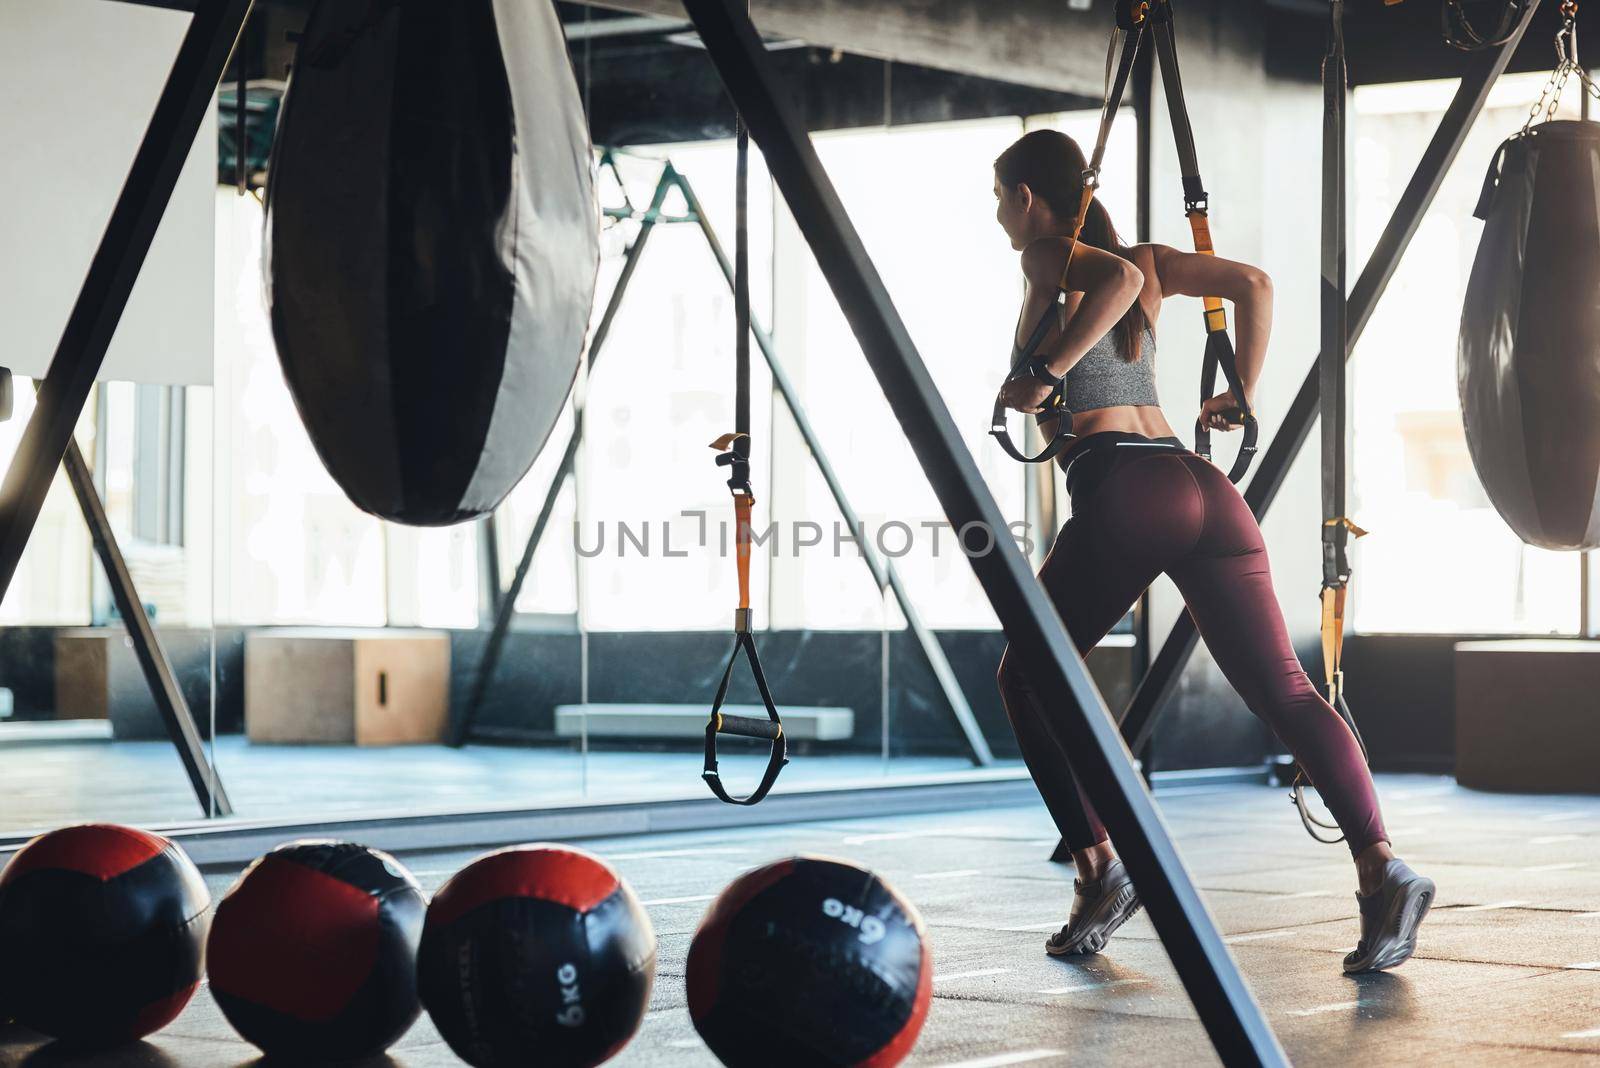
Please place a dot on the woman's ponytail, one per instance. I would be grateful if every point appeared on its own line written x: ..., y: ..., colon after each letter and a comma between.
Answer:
x: 1051, y: 164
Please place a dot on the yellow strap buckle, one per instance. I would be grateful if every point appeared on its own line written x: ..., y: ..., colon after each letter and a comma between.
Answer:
x: 1348, y: 523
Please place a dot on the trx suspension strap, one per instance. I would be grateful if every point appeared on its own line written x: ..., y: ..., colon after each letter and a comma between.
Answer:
x: 733, y: 452
x: 1219, y: 348
x: 1336, y: 526
x: 1026, y: 360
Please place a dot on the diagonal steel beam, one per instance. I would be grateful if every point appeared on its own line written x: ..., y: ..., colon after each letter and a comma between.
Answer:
x: 1084, y: 727
x: 182, y: 106
x: 1159, y: 683
x: 164, y: 689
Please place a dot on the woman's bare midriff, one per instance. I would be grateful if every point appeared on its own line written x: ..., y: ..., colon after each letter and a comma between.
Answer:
x: 1147, y: 420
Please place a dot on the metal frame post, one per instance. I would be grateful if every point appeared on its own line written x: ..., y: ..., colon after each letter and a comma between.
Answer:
x: 164, y: 689
x: 185, y: 99
x: 1234, y: 1020
x: 1158, y: 685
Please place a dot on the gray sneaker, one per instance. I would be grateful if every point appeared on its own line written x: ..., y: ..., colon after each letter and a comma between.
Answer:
x: 1390, y: 917
x: 1098, y: 909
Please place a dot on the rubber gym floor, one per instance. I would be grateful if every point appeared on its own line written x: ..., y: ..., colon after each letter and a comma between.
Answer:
x: 1508, y: 968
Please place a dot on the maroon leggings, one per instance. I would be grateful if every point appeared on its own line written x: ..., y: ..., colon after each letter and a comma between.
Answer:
x: 1139, y: 511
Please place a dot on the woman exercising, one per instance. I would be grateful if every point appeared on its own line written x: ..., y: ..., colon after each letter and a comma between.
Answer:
x: 1143, y: 505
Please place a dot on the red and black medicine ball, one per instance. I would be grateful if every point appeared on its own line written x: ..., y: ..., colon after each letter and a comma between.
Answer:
x: 810, y: 961
x: 536, y: 955
x: 313, y: 952
x: 102, y: 930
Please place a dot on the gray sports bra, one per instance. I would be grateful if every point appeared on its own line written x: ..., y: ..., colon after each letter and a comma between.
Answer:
x: 1105, y: 379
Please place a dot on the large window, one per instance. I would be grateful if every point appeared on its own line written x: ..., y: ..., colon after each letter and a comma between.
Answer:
x: 1439, y: 557
x: 922, y: 198
x: 291, y: 546
x: 623, y: 549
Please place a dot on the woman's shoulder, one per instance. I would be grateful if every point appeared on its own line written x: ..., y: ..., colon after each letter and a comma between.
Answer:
x: 1043, y: 259
x: 1144, y: 257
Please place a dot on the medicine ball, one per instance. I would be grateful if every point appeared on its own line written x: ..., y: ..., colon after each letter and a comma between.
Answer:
x: 101, y: 934
x: 810, y: 961
x: 536, y: 954
x: 313, y: 952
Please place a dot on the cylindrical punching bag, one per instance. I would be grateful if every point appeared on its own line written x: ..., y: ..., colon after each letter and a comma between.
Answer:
x: 1528, y: 363
x: 432, y: 245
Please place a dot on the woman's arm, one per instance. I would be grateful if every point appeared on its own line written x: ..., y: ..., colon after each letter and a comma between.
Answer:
x: 1189, y: 274
x: 1108, y: 283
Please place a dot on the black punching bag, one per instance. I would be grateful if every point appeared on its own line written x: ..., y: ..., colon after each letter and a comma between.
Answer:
x: 1528, y: 365
x: 432, y: 243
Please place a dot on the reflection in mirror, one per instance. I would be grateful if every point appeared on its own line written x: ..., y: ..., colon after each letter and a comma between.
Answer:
x: 565, y: 644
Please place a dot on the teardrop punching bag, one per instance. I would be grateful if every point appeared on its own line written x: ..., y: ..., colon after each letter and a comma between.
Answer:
x: 432, y: 244
x: 1528, y: 364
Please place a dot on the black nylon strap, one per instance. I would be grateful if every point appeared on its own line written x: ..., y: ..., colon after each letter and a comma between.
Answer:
x: 1334, y: 328
x: 1120, y: 56
x: 1194, y: 192
x: 739, y: 482
x: 1219, y: 354
x: 744, y: 643
x: 1055, y: 404
x: 741, y: 299
x: 1331, y: 380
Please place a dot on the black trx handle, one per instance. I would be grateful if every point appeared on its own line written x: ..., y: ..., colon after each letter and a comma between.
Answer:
x: 733, y: 452
x: 1219, y: 352
x: 1026, y: 359
x: 770, y: 729
x: 1055, y: 405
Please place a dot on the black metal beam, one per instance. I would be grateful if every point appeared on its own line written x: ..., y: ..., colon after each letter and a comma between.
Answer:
x: 184, y: 102
x: 489, y: 588
x: 1084, y: 727
x: 1154, y: 692
x: 164, y: 689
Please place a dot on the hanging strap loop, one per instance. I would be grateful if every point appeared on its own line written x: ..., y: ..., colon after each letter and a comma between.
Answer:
x: 769, y: 729
x: 733, y: 452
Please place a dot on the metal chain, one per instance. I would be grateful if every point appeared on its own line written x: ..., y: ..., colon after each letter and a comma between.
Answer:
x: 1566, y: 42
